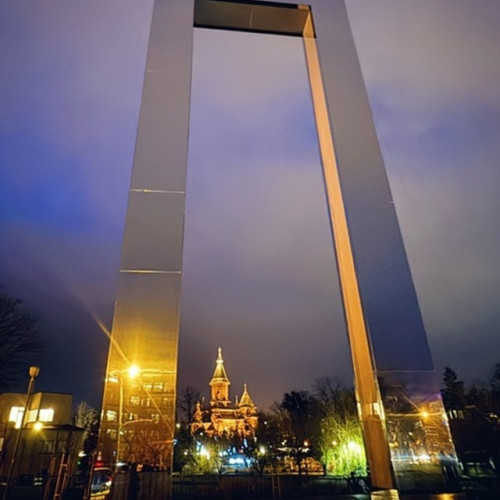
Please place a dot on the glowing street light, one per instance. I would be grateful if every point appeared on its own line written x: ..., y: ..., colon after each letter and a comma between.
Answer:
x: 33, y: 372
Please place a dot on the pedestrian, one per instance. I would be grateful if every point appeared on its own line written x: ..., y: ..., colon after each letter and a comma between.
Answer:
x: 134, y: 482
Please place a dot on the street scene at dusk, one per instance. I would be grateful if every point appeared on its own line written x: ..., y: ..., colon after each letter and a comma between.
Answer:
x: 94, y: 287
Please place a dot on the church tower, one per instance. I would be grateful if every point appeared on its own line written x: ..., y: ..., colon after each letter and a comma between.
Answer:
x: 220, y: 384
x: 223, y: 417
x: 248, y: 411
x: 245, y: 400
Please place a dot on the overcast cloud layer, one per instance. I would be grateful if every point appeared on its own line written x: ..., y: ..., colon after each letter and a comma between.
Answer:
x: 259, y: 278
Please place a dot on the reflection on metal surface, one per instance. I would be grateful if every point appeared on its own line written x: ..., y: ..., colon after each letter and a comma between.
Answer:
x: 137, y: 422
x: 148, y: 271
x: 422, y: 452
x: 366, y: 385
x: 255, y: 17
x: 156, y: 191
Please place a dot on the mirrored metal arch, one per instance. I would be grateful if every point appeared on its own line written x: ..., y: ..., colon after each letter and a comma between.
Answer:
x: 394, y: 377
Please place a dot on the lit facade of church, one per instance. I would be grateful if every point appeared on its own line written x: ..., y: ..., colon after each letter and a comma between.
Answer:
x: 224, y: 418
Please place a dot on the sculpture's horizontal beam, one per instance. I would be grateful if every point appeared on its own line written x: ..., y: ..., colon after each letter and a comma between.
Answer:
x: 274, y: 18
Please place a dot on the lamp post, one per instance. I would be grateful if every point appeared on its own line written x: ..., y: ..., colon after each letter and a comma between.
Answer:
x: 132, y: 371
x: 33, y: 372
x: 120, y: 413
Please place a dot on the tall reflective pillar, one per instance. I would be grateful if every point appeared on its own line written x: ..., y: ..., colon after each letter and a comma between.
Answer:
x: 137, y: 421
x: 398, y: 395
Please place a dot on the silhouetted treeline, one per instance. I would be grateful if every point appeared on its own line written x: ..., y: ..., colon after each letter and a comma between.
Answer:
x: 20, y: 342
x: 474, y: 416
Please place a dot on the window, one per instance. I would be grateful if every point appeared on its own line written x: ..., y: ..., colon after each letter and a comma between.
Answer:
x: 54, y: 446
x: 135, y: 400
x: 49, y: 447
x: 111, y: 416
x: 112, y: 433
x: 166, y: 402
x: 16, y: 415
x: 46, y: 415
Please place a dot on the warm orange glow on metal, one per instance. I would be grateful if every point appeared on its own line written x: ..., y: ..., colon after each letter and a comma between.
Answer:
x: 366, y: 384
x: 148, y: 271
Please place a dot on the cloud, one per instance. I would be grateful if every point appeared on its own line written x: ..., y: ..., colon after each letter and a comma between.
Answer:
x: 437, y: 51
x: 248, y: 74
x: 73, y: 90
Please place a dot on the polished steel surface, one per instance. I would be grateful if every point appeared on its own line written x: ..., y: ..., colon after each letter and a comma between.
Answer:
x: 141, y: 410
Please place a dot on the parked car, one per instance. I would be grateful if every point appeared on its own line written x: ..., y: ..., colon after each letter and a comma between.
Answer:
x: 102, y: 479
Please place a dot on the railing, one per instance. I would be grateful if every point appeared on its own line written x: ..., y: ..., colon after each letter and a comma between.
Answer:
x: 157, y: 485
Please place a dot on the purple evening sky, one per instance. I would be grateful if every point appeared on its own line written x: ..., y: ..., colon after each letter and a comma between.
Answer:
x: 259, y: 275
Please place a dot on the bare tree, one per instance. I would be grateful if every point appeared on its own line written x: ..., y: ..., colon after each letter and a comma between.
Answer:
x: 20, y: 342
x: 333, y: 396
x: 452, y: 390
x: 495, y: 388
x: 186, y: 405
x: 87, y: 418
x: 144, y: 444
x: 301, y: 410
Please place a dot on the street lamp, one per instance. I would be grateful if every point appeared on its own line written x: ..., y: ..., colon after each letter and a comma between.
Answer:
x: 38, y: 426
x: 33, y: 373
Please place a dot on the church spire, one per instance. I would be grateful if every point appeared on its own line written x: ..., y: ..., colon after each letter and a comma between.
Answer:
x: 220, y: 383
x: 245, y: 399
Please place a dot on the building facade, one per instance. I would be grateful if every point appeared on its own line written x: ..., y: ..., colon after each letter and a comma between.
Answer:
x: 48, y: 443
x: 223, y: 417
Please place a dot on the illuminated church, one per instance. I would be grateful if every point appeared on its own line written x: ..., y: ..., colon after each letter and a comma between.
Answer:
x: 224, y: 418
